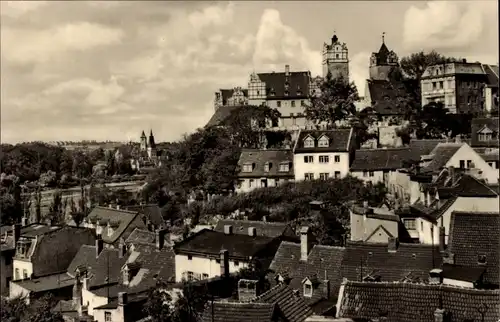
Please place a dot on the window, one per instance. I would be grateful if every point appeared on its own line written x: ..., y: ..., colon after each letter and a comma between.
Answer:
x: 286, y: 93
x: 278, y: 103
x: 267, y: 166
x: 409, y: 224
x: 324, y: 159
x: 309, y: 176
x: 308, y: 159
x: 371, y: 173
x: 107, y: 316
x: 217, y: 261
x: 236, y: 263
x: 16, y: 274
x: 441, y: 85
x: 324, y: 176
x: 247, y: 167
x: 434, y: 85
x: 337, y: 158
x: 302, y: 103
x: 469, y: 163
x: 422, y: 225
x: 337, y: 174
x: 292, y: 103
x: 365, y: 173
x: 190, y: 257
x: 190, y: 276
x: 294, y: 120
x: 309, y: 143
x: 250, y: 183
x: 25, y: 274
x: 308, y: 290
x: 462, y: 164
x: 205, y: 276
x: 323, y: 142
x: 284, y: 167
x: 481, y: 259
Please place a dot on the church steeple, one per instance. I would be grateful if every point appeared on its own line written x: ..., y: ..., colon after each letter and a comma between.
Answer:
x: 336, y: 58
x: 382, y: 62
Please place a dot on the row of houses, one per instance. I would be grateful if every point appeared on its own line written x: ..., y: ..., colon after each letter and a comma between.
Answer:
x: 323, y: 154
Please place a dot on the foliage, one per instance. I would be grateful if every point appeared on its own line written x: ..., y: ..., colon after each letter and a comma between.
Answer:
x: 16, y: 310
x: 335, y: 103
x: 57, y: 209
x: 158, y: 306
x: 10, y: 199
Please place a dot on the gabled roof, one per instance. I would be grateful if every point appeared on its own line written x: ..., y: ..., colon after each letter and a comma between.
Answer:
x: 380, y: 159
x: 492, y: 73
x: 119, y: 216
x: 261, y: 157
x: 468, y: 186
x: 424, y: 147
x: 33, y: 230
x: 46, y: 283
x: 209, y: 242
x: 340, y: 140
x: 152, y: 212
x: 263, y: 228
x: 384, y: 96
x: 473, y: 234
x: 416, y: 302
x: 239, y: 312
x: 222, y: 114
x: 141, y: 237
x: 298, y: 84
x: 477, y: 124
x: 293, y: 308
x: 441, y: 154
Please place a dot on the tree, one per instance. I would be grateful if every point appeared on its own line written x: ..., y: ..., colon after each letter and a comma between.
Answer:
x: 57, y: 209
x: 159, y: 305
x: 16, y: 310
x: 335, y: 103
x: 433, y: 122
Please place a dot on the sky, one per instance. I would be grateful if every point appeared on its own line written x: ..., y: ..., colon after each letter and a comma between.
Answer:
x: 107, y: 70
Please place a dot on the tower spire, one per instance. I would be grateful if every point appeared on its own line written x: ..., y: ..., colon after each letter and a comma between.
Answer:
x: 383, y: 37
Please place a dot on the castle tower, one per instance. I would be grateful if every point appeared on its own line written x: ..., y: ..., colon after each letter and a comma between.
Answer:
x: 144, y: 141
x: 336, y: 58
x: 383, y: 62
x: 151, y: 146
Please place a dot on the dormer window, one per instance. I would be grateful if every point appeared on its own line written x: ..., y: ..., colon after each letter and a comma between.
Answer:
x: 323, y: 141
x: 485, y: 134
x: 287, y: 86
x: 284, y: 167
x: 286, y: 93
x: 308, y: 289
x: 309, y: 142
x: 481, y: 259
x: 247, y: 167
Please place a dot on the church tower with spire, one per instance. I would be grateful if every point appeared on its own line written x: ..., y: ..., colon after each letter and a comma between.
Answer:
x: 144, y: 141
x: 383, y: 62
x: 151, y: 146
x: 336, y: 58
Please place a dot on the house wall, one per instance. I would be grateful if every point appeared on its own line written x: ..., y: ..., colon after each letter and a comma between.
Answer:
x: 117, y: 315
x: 203, y: 265
x: 21, y: 265
x: 249, y: 184
x: 92, y: 301
x: 467, y: 153
x: 449, y: 281
x: 16, y: 290
x: 399, y: 183
x: 362, y: 227
x: 366, y: 176
x: 301, y: 168
x: 6, y: 271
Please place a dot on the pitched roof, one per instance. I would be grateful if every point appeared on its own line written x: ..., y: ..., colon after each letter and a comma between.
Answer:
x: 46, y: 283
x: 473, y: 234
x: 294, y: 308
x: 423, y: 147
x: 222, y: 114
x: 477, y: 124
x: 468, y: 186
x: 152, y: 212
x: 490, y: 156
x: 339, y: 140
x: 380, y: 159
x: 238, y: 312
x: 33, y: 230
x: 212, y: 242
x: 298, y: 84
x: 122, y: 217
x: 416, y: 302
x: 492, y: 73
x: 141, y: 236
x: 263, y: 228
x: 259, y: 158
x: 441, y: 154
x: 384, y: 95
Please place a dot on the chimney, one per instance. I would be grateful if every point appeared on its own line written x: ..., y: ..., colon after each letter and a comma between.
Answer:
x: 228, y: 229
x: 436, y: 276
x: 458, y: 138
x: 451, y: 173
x: 86, y: 285
x: 449, y: 258
x: 326, y: 289
x: 393, y: 244
x: 122, y: 298
x: 24, y: 221
x: 160, y: 238
x: 16, y: 230
x: 110, y: 206
x: 365, y: 204
x: 224, y: 263
x: 247, y: 290
x: 464, y: 61
x: 287, y: 70
x: 252, y: 231
x: 122, y: 248
x: 77, y: 294
x: 439, y: 315
x: 118, y: 207
x: 99, y: 245
x: 305, y: 242
x: 264, y: 218
x: 442, y: 235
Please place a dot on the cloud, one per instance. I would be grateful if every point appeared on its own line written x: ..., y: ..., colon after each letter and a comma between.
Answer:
x: 18, y: 8
x: 445, y: 25
x: 359, y: 70
x: 277, y: 43
x: 213, y: 15
x: 38, y: 46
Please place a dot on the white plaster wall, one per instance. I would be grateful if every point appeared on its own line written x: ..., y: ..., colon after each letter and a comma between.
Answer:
x: 21, y: 265
x: 448, y: 281
x: 17, y: 291
x: 300, y: 167
x: 92, y: 300
x: 202, y: 265
x: 378, y: 176
x: 467, y: 153
x: 117, y: 315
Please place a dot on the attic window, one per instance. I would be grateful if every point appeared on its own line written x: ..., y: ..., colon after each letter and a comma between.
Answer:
x: 481, y: 259
x: 286, y: 86
x: 323, y: 141
x: 284, y: 167
x: 247, y: 167
x: 309, y: 142
x: 308, y: 290
x: 286, y: 93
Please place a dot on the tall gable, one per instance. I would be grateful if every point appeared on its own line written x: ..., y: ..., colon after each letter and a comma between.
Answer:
x: 479, y: 124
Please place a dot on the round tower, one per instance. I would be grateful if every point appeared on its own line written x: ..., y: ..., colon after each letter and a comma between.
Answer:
x: 336, y: 58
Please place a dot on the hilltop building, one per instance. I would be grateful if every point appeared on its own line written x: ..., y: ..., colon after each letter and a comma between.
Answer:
x: 336, y: 58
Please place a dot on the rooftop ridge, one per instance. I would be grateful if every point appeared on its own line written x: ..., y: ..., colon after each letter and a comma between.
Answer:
x: 328, y: 247
x: 289, y: 243
x: 423, y: 285
x: 408, y: 245
x: 476, y: 213
x: 277, y: 286
x: 116, y: 210
x: 275, y: 223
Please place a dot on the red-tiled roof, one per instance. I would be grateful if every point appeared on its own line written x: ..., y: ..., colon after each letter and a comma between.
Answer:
x: 441, y: 154
x: 416, y: 302
x: 385, y: 96
x: 492, y: 73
